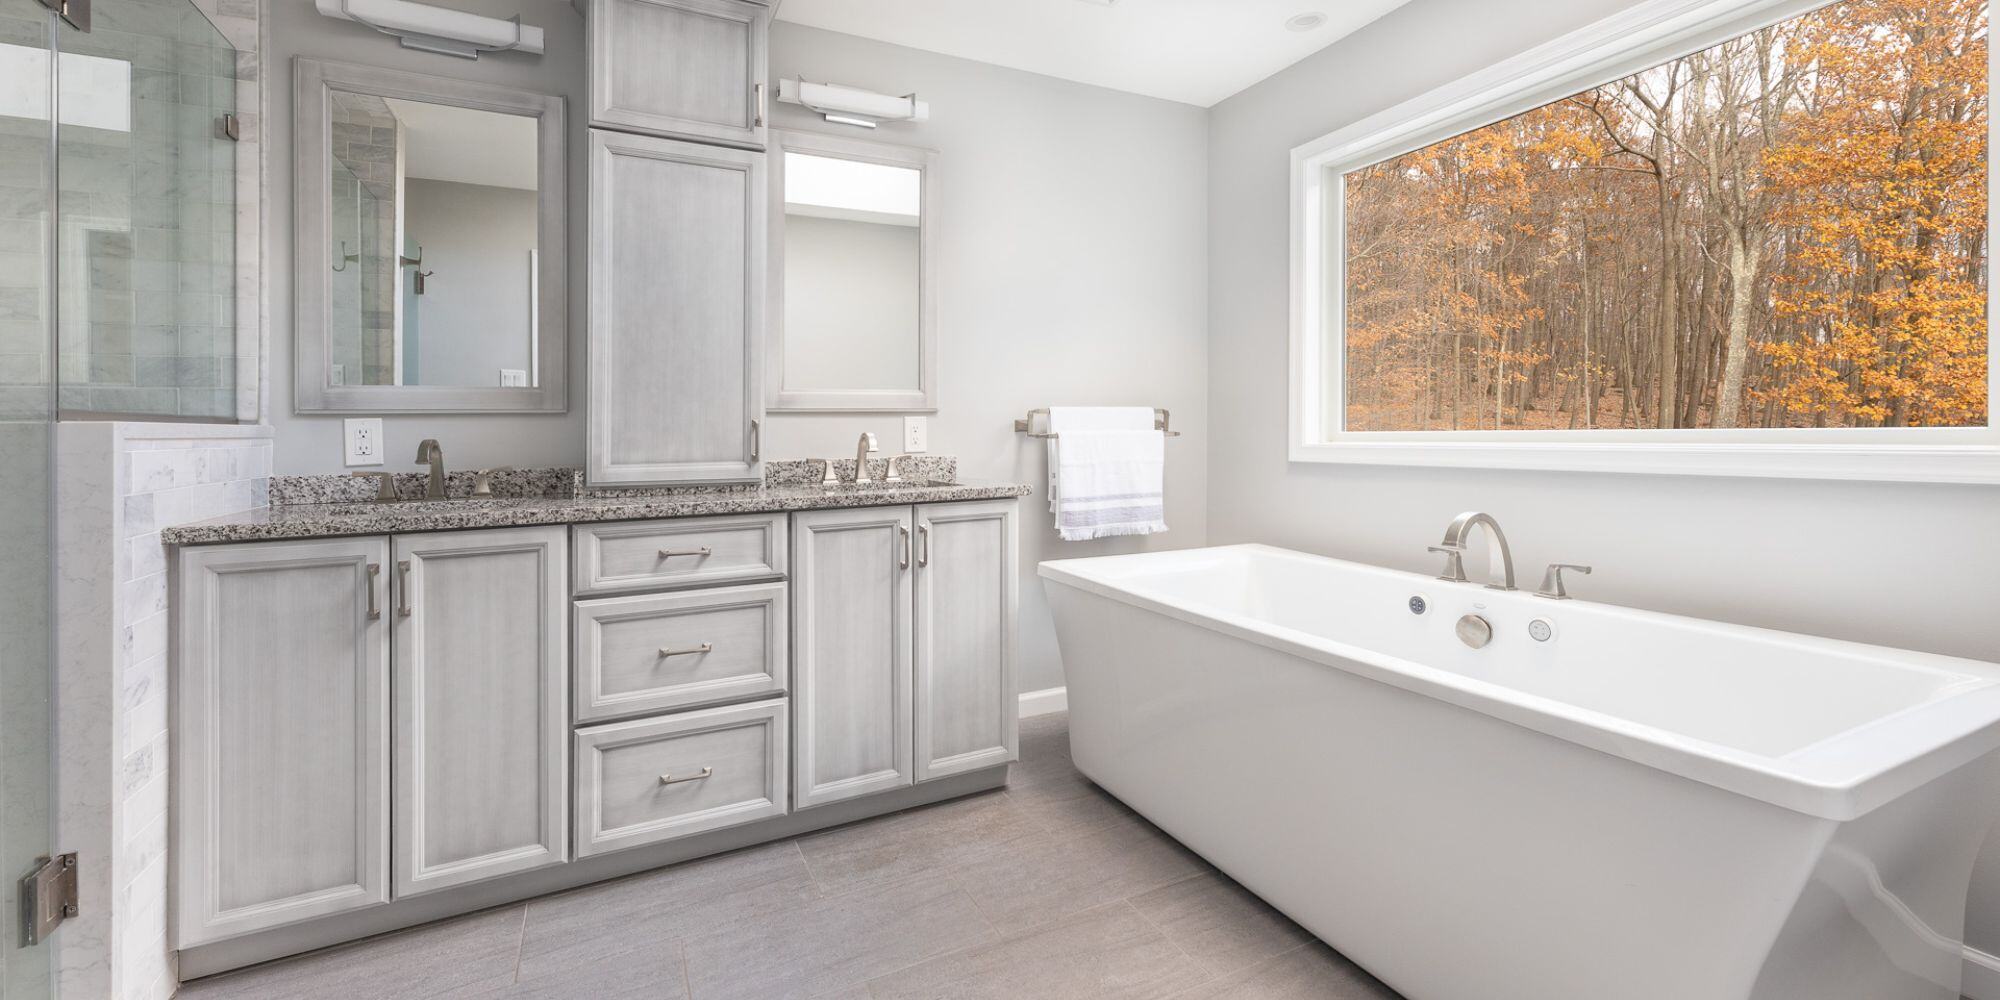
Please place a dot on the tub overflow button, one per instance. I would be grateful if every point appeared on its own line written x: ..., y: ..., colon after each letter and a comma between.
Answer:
x: 1418, y: 605
x: 1541, y: 630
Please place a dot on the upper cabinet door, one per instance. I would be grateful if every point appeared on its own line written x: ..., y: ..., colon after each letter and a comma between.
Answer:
x: 482, y: 706
x: 968, y: 584
x: 851, y: 577
x: 676, y: 311
x: 281, y: 734
x: 691, y: 69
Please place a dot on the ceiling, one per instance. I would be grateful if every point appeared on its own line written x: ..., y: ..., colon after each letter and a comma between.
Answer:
x: 1194, y: 51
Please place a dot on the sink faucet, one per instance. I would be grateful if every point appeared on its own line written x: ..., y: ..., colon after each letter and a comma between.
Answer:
x: 862, y: 449
x: 428, y: 450
x: 1501, y: 563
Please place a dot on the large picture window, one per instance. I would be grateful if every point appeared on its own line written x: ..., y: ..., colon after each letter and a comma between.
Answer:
x: 1777, y: 237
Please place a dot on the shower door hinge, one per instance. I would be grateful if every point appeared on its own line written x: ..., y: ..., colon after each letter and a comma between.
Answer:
x: 76, y: 12
x: 232, y: 128
x: 48, y: 895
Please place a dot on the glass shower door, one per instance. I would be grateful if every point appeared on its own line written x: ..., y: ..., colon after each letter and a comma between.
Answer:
x: 27, y: 413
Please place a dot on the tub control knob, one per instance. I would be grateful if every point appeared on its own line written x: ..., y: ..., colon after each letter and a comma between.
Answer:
x: 1474, y: 631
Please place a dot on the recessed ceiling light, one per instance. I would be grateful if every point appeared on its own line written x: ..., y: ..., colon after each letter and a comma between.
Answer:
x: 1305, y: 22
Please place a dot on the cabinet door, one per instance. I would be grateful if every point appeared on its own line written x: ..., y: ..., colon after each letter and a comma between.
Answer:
x: 281, y: 738
x: 482, y: 712
x: 692, y: 69
x: 967, y: 589
x: 851, y: 584
x: 676, y: 311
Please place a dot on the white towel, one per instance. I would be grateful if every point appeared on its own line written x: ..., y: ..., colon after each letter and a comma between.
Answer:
x: 1107, y: 472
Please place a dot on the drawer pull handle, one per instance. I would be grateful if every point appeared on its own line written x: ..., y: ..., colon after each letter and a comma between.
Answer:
x: 669, y: 779
x: 703, y: 552
x: 374, y: 601
x: 903, y: 540
x: 706, y: 647
x: 403, y: 589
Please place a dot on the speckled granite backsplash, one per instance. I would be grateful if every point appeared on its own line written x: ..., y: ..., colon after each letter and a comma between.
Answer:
x: 520, y: 484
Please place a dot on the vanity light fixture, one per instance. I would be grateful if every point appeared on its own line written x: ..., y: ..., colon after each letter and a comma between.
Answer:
x: 851, y: 105
x: 437, y: 29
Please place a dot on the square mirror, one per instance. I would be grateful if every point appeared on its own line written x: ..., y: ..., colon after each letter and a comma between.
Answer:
x: 431, y: 244
x: 853, y: 314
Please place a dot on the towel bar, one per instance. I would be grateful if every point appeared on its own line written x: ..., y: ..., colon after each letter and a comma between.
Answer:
x: 1161, y: 422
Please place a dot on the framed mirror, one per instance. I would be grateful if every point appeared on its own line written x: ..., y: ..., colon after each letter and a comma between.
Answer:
x: 853, y: 308
x: 431, y: 244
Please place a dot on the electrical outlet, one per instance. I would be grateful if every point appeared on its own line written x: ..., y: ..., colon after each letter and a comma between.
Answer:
x: 916, y: 435
x: 363, y: 440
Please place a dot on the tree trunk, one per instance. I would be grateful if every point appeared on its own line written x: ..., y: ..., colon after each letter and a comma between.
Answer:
x: 1745, y: 254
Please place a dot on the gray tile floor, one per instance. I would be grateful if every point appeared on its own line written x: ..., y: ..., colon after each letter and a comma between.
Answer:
x: 1048, y: 889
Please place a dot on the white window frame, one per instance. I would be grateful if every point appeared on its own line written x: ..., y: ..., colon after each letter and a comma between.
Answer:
x: 1643, y: 36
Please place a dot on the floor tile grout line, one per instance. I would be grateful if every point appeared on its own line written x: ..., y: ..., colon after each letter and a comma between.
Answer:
x: 1200, y: 966
x: 687, y: 978
x: 521, y: 942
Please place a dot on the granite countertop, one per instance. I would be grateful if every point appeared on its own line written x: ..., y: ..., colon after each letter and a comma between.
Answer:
x: 326, y: 520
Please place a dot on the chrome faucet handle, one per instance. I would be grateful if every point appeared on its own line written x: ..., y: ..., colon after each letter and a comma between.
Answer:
x: 1454, y: 562
x: 1552, y: 581
x: 482, y: 480
x: 895, y: 473
x: 385, y: 484
x: 828, y: 479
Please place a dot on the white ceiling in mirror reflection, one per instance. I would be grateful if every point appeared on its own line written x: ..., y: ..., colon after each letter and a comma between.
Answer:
x: 448, y: 143
x: 1194, y: 51
x: 829, y: 187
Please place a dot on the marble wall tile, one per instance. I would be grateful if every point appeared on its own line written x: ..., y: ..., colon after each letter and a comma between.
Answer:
x: 119, y: 484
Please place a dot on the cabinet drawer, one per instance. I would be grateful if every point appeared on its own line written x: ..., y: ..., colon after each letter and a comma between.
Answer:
x: 697, y: 551
x: 649, y: 653
x: 656, y: 779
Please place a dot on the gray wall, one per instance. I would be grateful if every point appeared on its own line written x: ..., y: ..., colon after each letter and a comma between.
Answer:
x: 1072, y: 261
x: 1916, y: 566
x: 1072, y: 268
x: 311, y: 443
x: 472, y: 319
x: 850, y: 304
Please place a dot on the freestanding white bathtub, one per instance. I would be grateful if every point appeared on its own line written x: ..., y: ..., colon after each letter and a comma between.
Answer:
x: 1643, y: 807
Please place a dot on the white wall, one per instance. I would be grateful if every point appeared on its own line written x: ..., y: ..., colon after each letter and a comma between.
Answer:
x: 850, y: 304
x: 1072, y: 262
x: 1916, y: 566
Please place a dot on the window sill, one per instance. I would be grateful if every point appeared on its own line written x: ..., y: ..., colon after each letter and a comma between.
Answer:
x: 1907, y: 463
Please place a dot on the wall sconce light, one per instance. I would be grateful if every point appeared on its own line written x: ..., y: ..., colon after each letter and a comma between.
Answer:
x: 852, y: 106
x: 437, y: 29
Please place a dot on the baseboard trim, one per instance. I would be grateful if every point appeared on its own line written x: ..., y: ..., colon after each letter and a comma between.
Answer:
x: 1049, y: 701
x: 1982, y: 975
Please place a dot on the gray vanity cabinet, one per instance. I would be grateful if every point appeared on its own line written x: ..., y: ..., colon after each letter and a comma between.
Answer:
x: 852, y: 579
x: 482, y: 710
x: 690, y: 69
x: 281, y: 738
x: 967, y: 591
x: 676, y: 244
x: 903, y: 645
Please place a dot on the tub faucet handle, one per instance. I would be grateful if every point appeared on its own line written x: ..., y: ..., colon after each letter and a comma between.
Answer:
x: 1454, y: 562
x: 1552, y: 581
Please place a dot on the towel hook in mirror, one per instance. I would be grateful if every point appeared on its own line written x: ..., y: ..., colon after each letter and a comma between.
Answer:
x: 346, y: 257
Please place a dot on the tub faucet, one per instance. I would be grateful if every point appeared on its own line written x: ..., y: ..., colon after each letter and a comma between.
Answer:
x: 428, y: 450
x: 1501, y: 566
